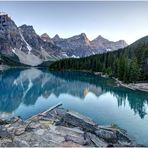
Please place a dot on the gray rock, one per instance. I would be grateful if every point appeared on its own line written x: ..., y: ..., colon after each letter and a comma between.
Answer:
x: 79, y: 140
x: 77, y: 120
x: 123, y: 137
x: 3, y: 122
x: 19, y: 131
x: 97, y: 141
x: 4, y: 134
x: 78, y: 130
x: 109, y: 136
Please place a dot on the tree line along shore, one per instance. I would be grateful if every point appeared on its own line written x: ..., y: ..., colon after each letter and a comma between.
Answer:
x: 128, y: 65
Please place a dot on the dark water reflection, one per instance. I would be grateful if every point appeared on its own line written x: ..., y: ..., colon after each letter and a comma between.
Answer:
x: 29, y: 91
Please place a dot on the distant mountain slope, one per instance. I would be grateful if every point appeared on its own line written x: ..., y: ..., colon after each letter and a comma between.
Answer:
x: 143, y: 40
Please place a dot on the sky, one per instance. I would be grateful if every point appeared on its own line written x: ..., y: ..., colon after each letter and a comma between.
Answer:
x: 112, y: 20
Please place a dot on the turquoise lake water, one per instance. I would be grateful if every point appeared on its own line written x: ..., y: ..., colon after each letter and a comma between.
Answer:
x: 25, y: 92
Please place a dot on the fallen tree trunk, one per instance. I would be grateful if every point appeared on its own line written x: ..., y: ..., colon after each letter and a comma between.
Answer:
x: 52, y: 108
x: 45, y: 112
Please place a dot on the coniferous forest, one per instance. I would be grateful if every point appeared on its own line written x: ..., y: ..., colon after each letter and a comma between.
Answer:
x: 128, y: 65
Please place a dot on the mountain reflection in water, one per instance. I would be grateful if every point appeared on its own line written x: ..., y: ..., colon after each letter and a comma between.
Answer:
x: 25, y: 92
x: 26, y: 86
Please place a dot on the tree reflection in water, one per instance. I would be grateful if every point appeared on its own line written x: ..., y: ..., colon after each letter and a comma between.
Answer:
x: 25, y: 86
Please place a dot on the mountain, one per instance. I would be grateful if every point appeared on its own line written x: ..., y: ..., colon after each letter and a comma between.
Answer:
x: 45, y: 37
x: 106, y: 45
x: 76, y: 46
x: 23, y: 45
x: 56, y: 38
x: 81, y: 46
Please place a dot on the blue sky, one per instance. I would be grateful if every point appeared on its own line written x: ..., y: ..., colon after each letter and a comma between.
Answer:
x: 113, y: 20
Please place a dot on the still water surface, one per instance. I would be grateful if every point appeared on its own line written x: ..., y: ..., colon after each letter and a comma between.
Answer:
x: 30, y: 91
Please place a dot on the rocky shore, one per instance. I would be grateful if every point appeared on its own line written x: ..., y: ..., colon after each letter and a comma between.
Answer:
x: 60, y: 127
x: 133, y: 86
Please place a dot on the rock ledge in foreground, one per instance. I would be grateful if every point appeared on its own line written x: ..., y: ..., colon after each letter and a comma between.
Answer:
x: 60, y: 127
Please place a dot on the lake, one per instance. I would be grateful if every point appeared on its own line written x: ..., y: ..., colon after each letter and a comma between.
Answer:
x: 25, y: 92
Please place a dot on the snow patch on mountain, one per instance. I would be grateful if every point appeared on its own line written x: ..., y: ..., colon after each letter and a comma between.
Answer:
x: 13, y: 50
x: 65, y: 55
x: 28, y: 46
x: 108, y: 49
x: 73, y: 56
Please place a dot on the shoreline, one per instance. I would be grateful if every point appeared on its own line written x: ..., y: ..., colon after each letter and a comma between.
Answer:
x: 133, y: 86
x: 61, y: 127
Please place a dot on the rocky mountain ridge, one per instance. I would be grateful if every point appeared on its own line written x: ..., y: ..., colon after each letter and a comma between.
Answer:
x: 81, y: 46
x: 23, y: 45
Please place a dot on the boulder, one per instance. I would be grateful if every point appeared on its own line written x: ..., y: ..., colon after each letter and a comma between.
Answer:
x: 19, y: 131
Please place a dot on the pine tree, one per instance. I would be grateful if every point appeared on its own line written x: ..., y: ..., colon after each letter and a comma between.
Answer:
x: 126, y: 70
x: 121, y: 68
x: 134, y: 70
